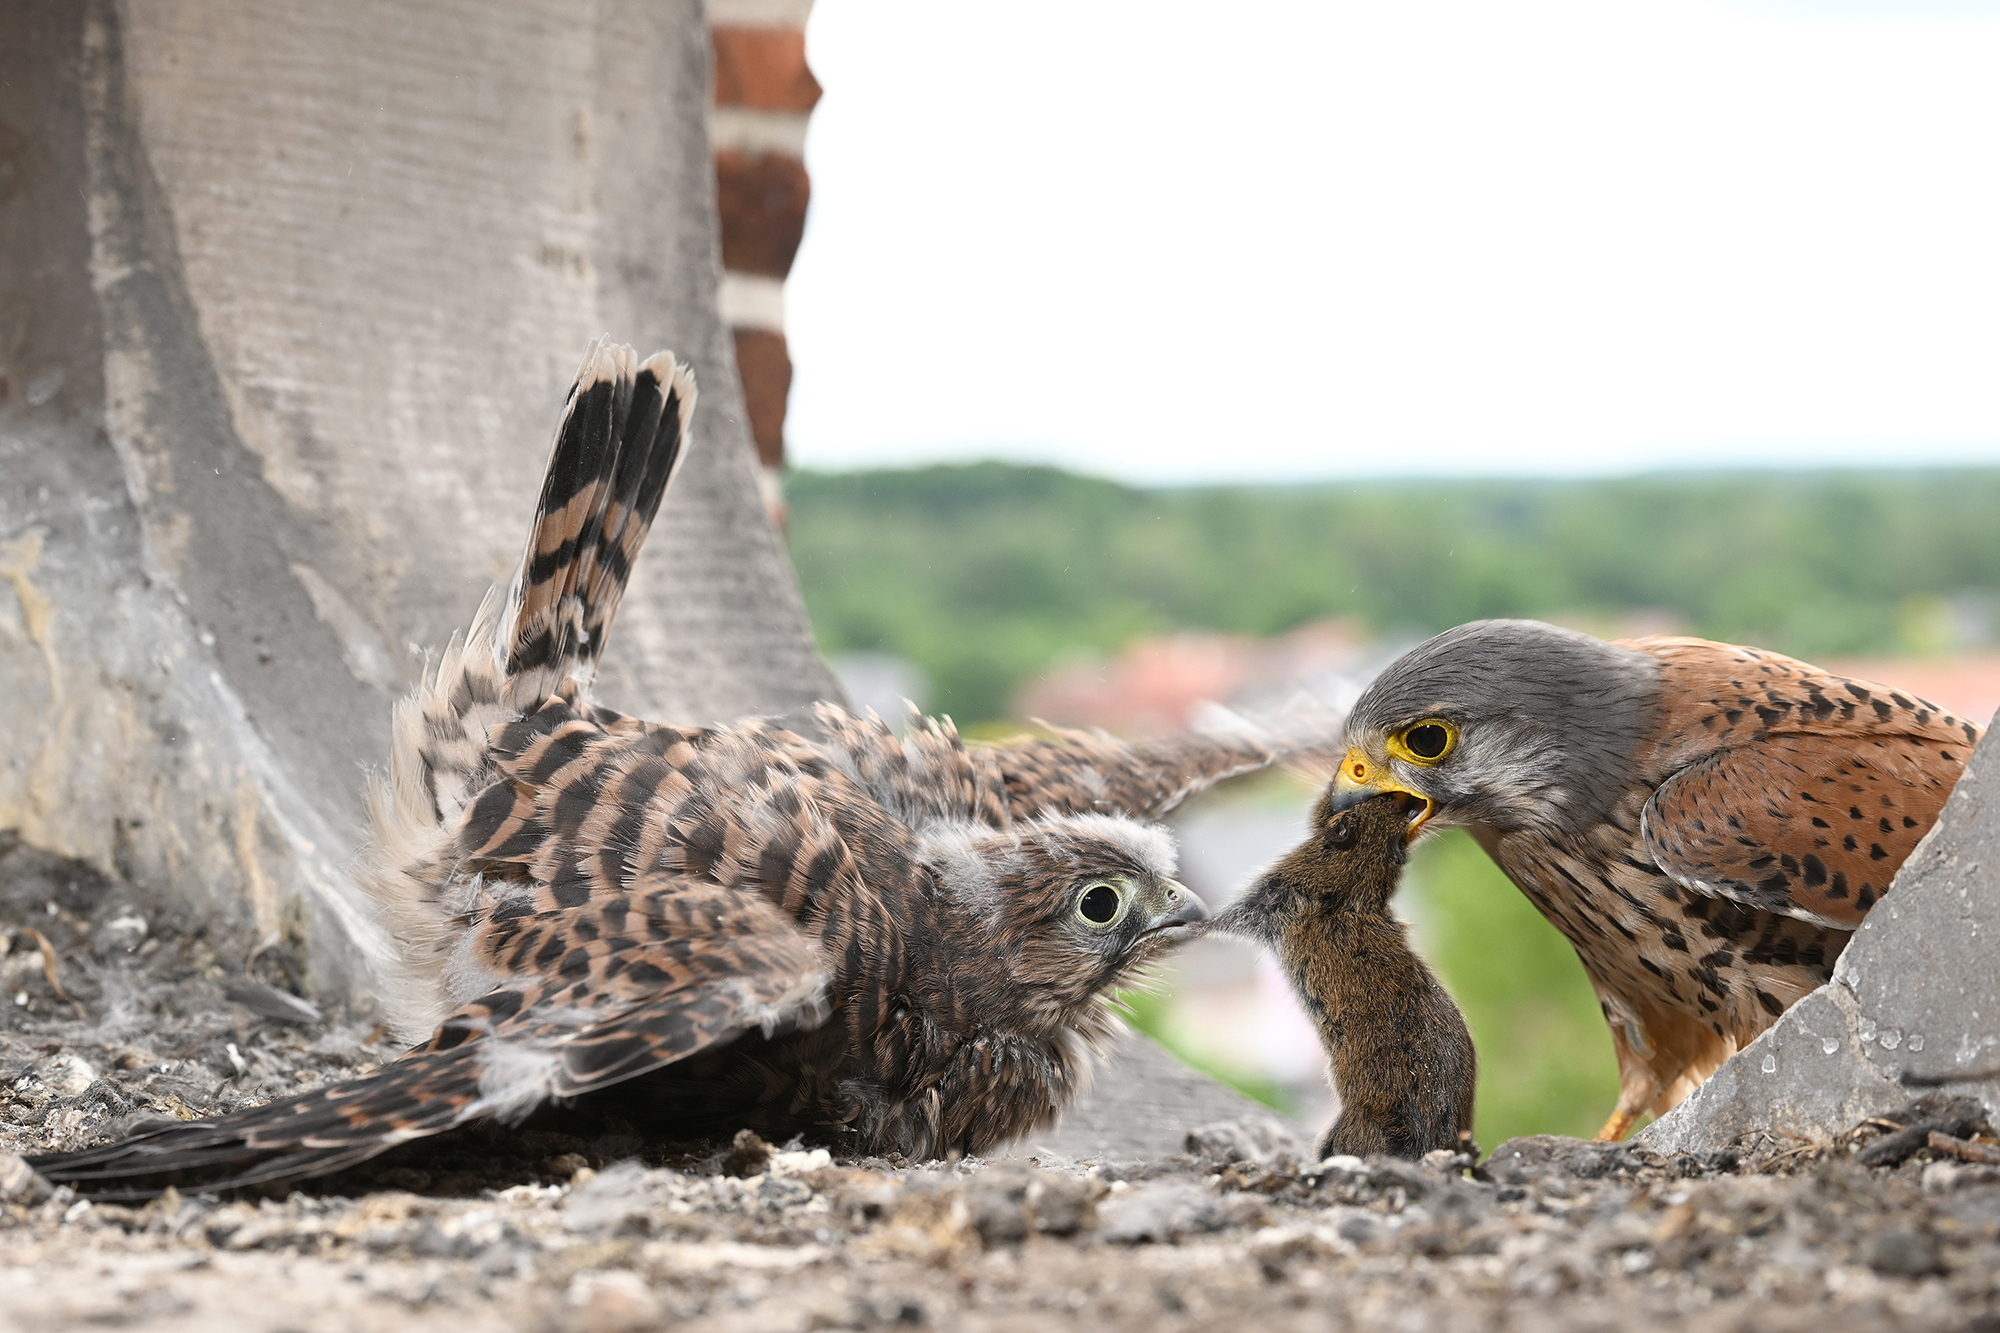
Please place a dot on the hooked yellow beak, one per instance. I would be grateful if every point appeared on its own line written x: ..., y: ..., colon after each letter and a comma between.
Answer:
x: 1358, y: 774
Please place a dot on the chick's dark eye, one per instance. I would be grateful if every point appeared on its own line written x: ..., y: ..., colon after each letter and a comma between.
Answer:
x: 1098, y: 905
x: 1427, y: 741
x: 1341, y: 835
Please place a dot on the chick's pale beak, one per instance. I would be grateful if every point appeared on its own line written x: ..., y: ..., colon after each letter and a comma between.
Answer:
x: 1359, y: 774
x: 1181, y: 908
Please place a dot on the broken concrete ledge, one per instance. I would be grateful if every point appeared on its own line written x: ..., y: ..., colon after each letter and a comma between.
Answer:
x: 1141, y: 1104
x: 1914, y: 1004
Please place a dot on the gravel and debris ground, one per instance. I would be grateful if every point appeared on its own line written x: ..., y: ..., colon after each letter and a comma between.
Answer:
x: 587, y: 1228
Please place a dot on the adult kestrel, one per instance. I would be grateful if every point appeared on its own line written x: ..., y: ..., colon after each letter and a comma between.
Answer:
x: 890, y: 944
x: 1706, y: 823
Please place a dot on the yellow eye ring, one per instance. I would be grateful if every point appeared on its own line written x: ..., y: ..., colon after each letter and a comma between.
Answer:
x: 1424, y: 742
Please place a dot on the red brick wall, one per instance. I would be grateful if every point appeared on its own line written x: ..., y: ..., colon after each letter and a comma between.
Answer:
x: 763, y: 95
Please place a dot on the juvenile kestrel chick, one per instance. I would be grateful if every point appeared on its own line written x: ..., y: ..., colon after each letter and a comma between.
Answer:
x: 1707, y: 824
x: 887, y: 944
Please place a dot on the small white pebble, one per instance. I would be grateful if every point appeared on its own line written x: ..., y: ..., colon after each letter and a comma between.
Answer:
x: 69, y: 1074
x: 130, y: 924
x: 798, y: 1163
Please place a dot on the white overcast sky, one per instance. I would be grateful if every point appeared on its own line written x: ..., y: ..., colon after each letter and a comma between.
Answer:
x: 1264, y: 240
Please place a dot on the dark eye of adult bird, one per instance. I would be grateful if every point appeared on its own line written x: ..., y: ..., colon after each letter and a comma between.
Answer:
x: 1428, y: 740
x: 1100, y: 904
x: 1706, y: 823
x: 856, y: 936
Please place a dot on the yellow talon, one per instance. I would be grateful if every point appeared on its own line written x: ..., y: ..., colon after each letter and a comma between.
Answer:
x: 1617, y: 1127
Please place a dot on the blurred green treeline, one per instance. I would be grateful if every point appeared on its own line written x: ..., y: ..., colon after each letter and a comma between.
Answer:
x: 985, y: 574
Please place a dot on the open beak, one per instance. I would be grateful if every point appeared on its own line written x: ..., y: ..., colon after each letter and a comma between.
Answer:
x: 1182, y: 909
x: 1357, y: 774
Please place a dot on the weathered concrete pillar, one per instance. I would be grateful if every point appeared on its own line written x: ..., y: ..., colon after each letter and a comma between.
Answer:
x: 289, y: 298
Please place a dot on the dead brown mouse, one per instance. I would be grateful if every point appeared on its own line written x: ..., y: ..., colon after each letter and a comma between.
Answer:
x: 1399, y: 1053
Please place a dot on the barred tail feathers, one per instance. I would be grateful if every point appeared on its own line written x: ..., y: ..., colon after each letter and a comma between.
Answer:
x: 623, y: 434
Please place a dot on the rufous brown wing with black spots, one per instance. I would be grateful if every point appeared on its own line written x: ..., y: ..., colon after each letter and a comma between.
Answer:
x: 886, y: 942
x: 1706, y: 823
